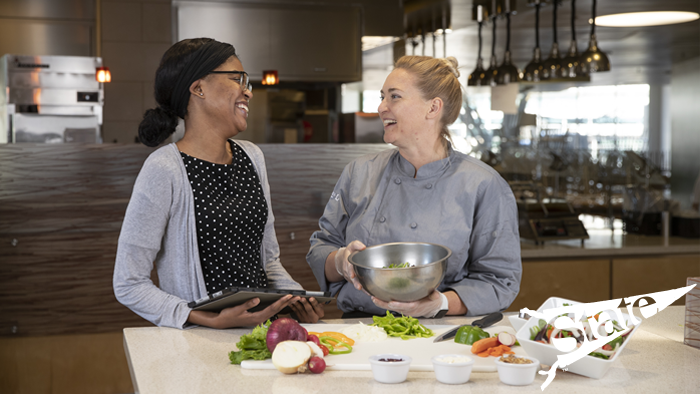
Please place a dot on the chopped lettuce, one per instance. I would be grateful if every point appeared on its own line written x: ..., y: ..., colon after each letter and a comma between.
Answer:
x: 252, y: 346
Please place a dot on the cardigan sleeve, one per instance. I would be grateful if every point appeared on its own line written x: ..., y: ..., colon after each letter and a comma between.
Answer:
x: 139, y: 244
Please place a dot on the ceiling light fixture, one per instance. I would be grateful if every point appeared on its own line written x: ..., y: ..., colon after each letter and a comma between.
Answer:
x: 103, y: 75
x: 533, y: 71
x: 656, y: 18
x: 571, y: 64
x: 270, y: 77
x: 444, y: 30
x: 594, y: 60
x: 492, y: 72
x: 478, y: 76
x: 551, y: 68
x: 507, y: 73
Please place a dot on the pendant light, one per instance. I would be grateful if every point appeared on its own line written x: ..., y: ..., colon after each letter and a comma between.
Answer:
x: 492, y: 72
x: 507, y: 73
x: 533, y: 71
x: 594, y: 60
x: 552, y: 66
x: 444, y: 31
x: 571, y: 64
x: 478, y: 76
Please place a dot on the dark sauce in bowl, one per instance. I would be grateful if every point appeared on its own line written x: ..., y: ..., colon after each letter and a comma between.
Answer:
x: 390, y: 360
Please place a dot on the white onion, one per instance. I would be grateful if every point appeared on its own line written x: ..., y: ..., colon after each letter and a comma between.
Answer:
x: 364, y: 333
x: 291, y: 356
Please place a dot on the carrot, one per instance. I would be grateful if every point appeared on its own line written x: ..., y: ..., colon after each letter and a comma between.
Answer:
x: 483, y: 344
x: 496, y: 351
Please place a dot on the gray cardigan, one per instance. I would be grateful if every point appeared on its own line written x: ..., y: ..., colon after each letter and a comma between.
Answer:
x: 159, y: 229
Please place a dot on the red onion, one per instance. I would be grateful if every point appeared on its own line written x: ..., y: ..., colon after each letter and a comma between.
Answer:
x: 284, y: 329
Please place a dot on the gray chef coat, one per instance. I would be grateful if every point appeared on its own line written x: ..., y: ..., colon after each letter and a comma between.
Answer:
x: 458, y: 202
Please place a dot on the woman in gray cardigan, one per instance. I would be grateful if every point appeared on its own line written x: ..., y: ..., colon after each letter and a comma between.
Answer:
x: 200, y: 210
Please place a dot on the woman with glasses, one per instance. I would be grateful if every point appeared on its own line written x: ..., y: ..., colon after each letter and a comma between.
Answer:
x: 200, y: 210
x: 424, y: 191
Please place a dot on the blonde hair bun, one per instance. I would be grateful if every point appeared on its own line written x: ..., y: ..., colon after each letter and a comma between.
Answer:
x: 451, y: 63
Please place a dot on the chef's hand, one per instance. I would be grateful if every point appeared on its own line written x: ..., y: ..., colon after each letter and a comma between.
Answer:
x: 238, y: 316
x: 307, y: 311
x: 425, y: 307
x: 343, y: 266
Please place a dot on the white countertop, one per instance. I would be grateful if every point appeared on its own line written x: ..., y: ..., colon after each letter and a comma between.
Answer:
x: 165, y: 360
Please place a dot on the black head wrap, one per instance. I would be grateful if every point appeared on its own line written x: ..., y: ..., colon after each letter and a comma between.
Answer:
x: 207, y: 58
x: 181, y: 65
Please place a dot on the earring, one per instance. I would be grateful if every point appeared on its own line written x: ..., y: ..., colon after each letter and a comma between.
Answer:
x: 201, y: 94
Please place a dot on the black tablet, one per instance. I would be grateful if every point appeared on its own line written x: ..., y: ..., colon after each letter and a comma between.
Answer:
x: 234, y: 296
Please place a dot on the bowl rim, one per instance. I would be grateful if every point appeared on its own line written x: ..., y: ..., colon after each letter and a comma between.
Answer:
x: 350, y: 260
x: 374, y: 359
x: 435, y: 360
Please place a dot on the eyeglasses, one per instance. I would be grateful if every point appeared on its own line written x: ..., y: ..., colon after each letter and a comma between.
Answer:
x: 244, y: 81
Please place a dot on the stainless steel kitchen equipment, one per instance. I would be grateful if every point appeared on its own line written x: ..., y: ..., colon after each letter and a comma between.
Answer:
x: 549, y: 221
x: 426, y: 266
x: 50, y: 99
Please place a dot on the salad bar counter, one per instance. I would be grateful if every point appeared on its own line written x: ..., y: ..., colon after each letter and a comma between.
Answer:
x: 164, y: 360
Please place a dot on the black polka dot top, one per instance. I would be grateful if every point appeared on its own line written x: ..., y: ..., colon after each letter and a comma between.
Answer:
x: 231, y: 213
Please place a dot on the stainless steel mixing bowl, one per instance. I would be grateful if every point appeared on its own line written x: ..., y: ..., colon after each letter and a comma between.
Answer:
x: 428, y: 264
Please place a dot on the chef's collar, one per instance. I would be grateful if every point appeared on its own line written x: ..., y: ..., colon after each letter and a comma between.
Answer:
x: 428, y: 170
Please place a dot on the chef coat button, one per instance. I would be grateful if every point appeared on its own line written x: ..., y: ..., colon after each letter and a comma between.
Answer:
x: 397, y: 181
x: 382, y: 219
x: 362, y: 308
x: 429, y: 186
x: 414, y: 225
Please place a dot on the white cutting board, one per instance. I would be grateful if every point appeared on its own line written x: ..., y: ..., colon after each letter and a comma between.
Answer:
x: 420, y: 349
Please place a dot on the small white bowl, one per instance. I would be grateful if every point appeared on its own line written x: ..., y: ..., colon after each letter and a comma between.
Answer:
x: 517, y: 374
x: 452, y: 372
x: 390, y: 371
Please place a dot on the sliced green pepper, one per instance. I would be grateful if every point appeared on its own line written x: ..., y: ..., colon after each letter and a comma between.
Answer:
x: 331, y: 343
x: 467, y: 335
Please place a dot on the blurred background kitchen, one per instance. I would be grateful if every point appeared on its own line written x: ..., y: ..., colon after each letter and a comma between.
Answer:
x: 601, y: 149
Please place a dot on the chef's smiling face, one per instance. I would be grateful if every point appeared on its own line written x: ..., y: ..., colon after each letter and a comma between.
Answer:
x: 227, y: 97
x: 403, y: 109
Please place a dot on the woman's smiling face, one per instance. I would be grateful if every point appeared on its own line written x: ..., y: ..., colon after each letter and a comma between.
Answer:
x: 228, y: 99
x: 403, y: 110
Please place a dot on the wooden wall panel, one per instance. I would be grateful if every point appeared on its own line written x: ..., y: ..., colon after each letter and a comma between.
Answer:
x: 87, y: 363
x: 576, y: 280
x: 61, y: 208
x: 634, y: 276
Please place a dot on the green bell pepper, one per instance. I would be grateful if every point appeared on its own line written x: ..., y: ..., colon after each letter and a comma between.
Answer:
x: 467, y: 335
x: 331, y: 344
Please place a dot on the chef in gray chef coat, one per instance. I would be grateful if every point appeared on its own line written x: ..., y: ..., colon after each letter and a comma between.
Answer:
x: 424, y: 191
